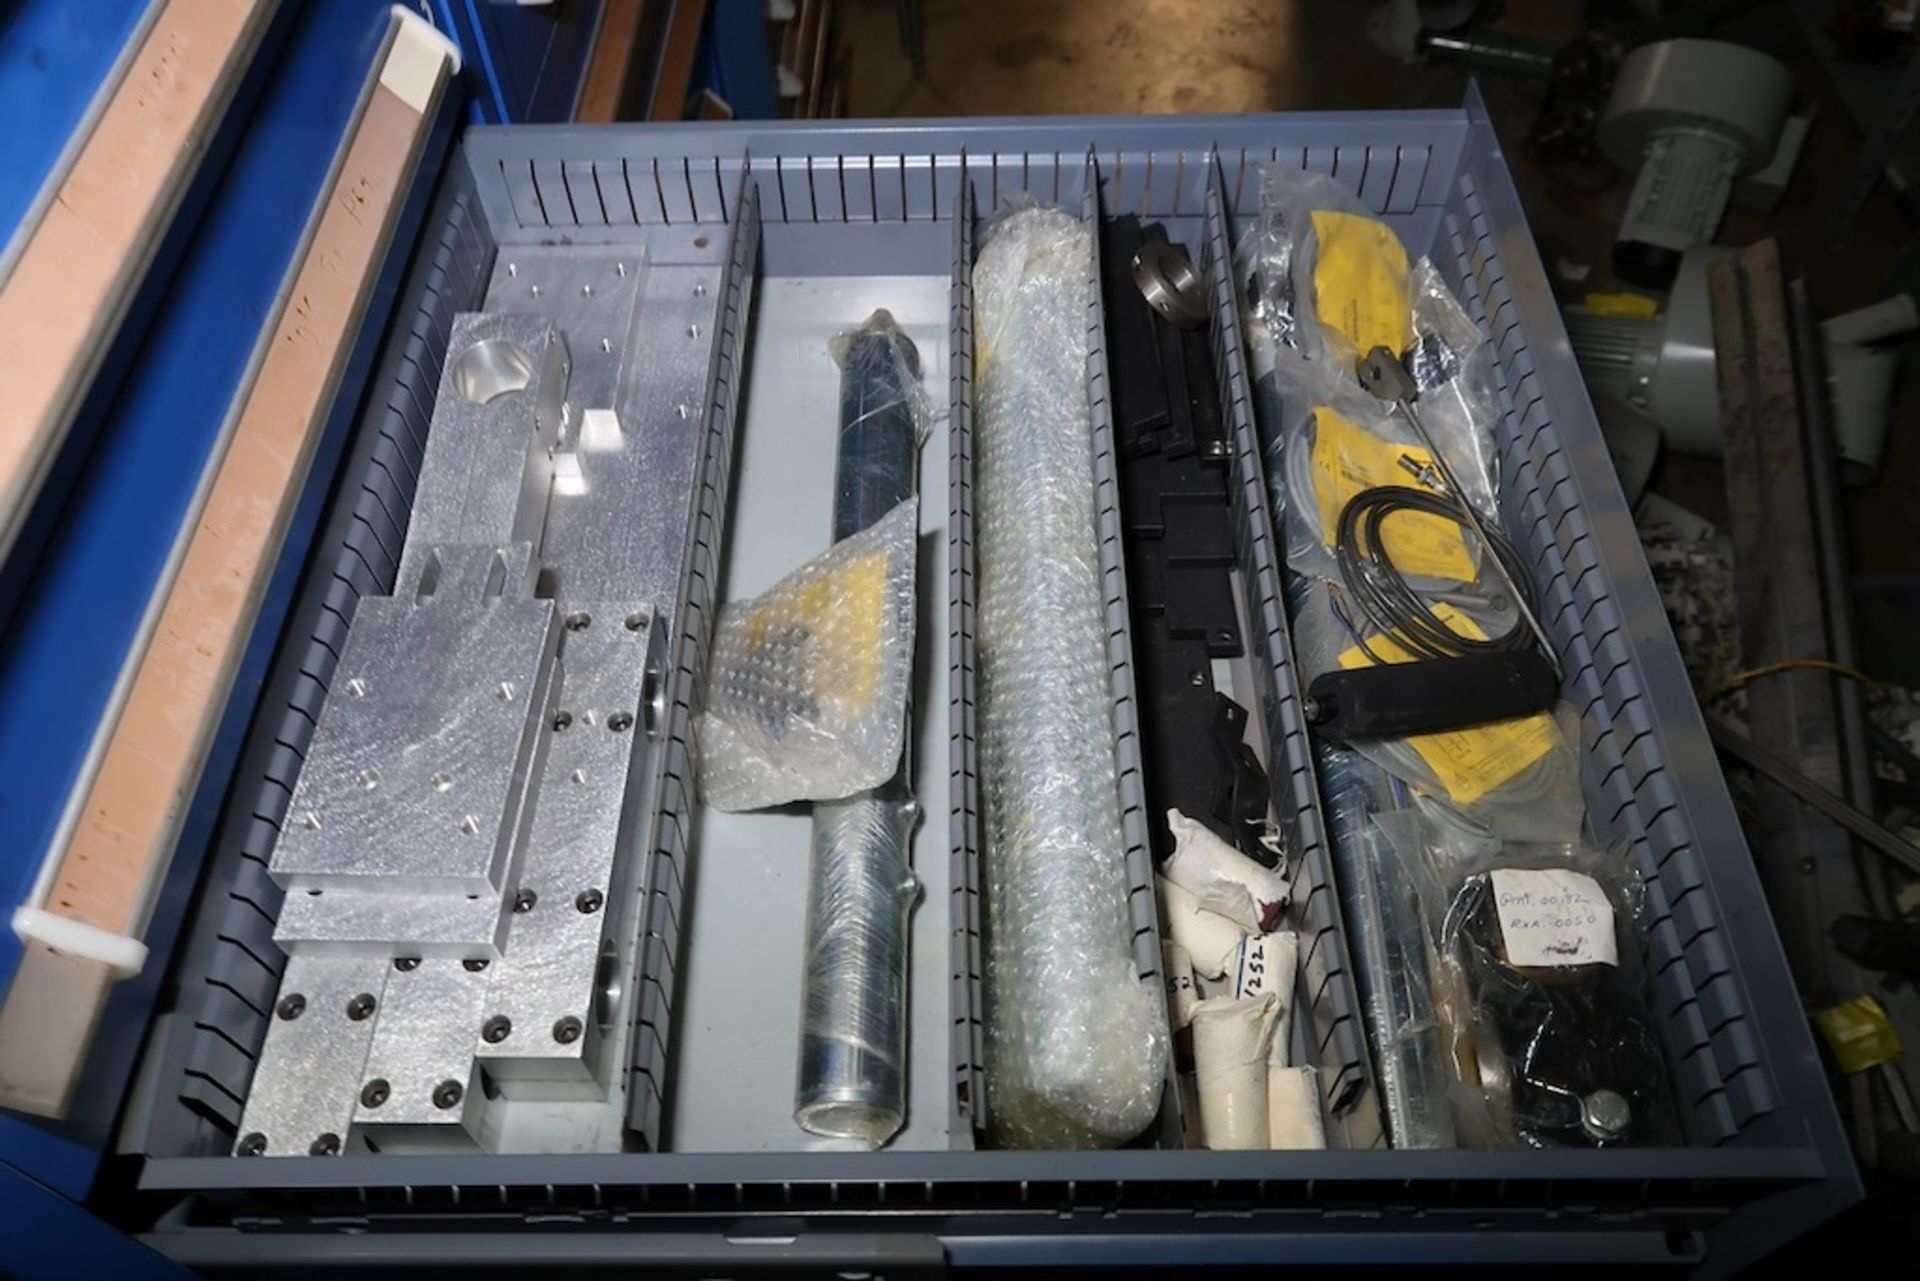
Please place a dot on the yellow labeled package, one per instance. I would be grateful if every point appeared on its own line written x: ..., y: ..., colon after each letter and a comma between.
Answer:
x: 1360, y: 287
x: 1347, y: 459
x: 1469, y: 763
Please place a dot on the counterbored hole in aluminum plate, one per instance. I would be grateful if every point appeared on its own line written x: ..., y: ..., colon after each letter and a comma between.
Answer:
x: 491, y: 369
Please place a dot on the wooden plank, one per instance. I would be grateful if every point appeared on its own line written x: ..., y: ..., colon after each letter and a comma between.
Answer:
x: 1806, y: 862
x: 610, y: 65
x: 673, y: 85
x: 77, y: 272
x: 127, y: 824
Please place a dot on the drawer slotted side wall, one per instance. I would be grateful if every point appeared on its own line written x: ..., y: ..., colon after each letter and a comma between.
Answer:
x: 1432, y: 174
x: 666, y: 850
x: 1718, y: 1095
x: 1109, y: 533
x: 1331, y: 1010
x: 1726, y: 1085
x: 969, y: 998
x: 969, y: 1107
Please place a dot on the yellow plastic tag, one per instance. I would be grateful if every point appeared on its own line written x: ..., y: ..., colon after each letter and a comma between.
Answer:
x: 1637, y: 306
x: 1348, y: 458
x: 1859, y: 1033
x: 1360, y: 281
x: 1469, y: 762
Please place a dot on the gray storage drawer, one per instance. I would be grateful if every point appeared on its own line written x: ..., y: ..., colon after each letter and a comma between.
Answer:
x: 849, y: 205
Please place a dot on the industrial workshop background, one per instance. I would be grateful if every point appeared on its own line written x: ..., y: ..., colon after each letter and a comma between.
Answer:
x: 873, y: 636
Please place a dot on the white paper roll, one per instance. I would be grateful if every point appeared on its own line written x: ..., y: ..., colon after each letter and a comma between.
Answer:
x: 1211, y: 940
x: 1293, y: 1109
x: 1231, y: 1041
x: 1222, y: 878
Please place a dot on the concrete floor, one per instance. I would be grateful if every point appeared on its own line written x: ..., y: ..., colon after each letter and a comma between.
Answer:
x: 1073, y: 57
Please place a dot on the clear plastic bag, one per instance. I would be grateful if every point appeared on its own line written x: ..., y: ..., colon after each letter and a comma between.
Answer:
x: 1541, y: 985
x: 1517, y: 779
x: 1339, y: 446
x: 1076, y: 1042
x: 1324, y: 279
x: 884, y: 419
x: 861, y: 888
x: 807, y: 686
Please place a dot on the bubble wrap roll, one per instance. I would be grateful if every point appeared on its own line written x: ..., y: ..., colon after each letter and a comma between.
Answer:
x: 1076, y: 1043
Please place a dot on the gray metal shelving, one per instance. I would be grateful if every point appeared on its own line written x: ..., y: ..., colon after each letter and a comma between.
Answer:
x: 1765, y: 1156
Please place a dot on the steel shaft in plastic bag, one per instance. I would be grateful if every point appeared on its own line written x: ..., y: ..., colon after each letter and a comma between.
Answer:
x: 861, y: 887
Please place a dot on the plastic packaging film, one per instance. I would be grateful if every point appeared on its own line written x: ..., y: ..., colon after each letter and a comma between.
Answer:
x: 853, y: 1025
x: 884, y: 415
x: 1319, y: 272
x: 852, y: 1075
x: 1518, y: 779
x: 1392, y: 960
x: 1076, y: 1043
x: 1539, y: 948
x: 808, y: 683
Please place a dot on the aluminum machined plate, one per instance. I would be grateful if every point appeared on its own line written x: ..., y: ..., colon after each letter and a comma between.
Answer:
x: 498, y: 418
x: 418, y: 1090
x: 555, y: 993
x: 302, y: 1099
x: 618, y: 522
x: 414, y: 778
x: 339, y: 922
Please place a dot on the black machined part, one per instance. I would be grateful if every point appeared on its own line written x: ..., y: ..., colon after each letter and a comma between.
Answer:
x: 1177, y: 518
x: 1430, y: 697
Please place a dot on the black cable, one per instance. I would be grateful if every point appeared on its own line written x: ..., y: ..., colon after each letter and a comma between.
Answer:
x: 1395, y: 609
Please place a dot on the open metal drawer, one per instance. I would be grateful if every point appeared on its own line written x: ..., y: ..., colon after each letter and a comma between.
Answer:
x: 811, y: 227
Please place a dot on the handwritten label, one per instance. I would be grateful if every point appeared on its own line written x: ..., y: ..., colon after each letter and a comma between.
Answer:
x: 1182, y: 993
x: 1266, y: 963
x: 1550, y: 918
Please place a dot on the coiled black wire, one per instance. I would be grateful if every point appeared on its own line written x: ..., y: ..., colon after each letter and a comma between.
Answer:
x: 1380, y: 591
